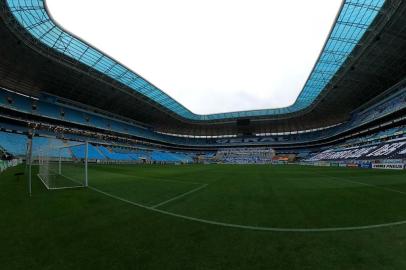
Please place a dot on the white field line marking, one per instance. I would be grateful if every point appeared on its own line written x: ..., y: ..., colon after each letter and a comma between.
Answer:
x: 160, y: 179
x: 166, y: 180
x: 179, y: 196
x: 40, y: 178
x: 52, y: 188
x: 253, y: 228
x: 362, y: 183
x: 72, y: 187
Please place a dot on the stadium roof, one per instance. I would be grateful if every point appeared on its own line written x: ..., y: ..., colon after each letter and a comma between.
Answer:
x: 361, y: 59
x: 353, y: 20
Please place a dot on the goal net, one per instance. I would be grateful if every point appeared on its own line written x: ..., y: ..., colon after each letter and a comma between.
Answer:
x: 58, y: 168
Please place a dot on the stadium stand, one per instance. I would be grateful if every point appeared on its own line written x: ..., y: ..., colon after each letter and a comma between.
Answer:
x: 15, y: 144
x: 112, y: 155
x: 159, y: 156
x: 52, y: 111
x: 245, y: 155
x: 387, y: 144
x: 389, y: 150
x: 78, y: 152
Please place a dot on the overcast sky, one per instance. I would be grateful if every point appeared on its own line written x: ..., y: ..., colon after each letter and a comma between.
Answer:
x: 210, y: 55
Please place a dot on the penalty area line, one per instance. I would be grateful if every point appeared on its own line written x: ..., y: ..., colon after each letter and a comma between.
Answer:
x: 165, y: 180
x: 180, y: 196
x: 252, y: 228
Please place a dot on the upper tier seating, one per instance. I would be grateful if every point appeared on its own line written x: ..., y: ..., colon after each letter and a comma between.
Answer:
x: 48, y: 107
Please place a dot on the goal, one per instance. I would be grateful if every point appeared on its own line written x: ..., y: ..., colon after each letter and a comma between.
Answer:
x: 58, y: 168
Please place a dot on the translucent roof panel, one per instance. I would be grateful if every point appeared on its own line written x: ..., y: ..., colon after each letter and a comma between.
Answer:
x: 353, y: 21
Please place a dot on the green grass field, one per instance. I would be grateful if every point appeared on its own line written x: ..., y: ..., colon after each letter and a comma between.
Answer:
x: 207, y: 217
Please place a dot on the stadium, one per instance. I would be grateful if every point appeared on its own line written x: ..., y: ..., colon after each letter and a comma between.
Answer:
x: 101, y: 169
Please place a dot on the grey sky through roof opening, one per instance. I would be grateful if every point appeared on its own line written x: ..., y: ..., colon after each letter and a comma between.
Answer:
x: 211, y: 56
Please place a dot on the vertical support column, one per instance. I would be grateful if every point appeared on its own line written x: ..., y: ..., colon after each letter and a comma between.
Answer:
x: 86, y: 160
x: 60, y: 162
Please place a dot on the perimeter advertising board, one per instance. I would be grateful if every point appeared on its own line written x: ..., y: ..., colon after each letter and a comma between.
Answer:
x: 352, y: 165
x: 389, y: 166
x: 365, y: 165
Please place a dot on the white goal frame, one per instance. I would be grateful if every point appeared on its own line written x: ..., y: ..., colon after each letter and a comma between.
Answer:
x: 41, y: 160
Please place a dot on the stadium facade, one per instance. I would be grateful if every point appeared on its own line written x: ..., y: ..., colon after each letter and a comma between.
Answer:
x: 53, y: 83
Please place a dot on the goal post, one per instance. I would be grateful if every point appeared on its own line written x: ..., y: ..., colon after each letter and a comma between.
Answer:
x: 28, y: 163
x: 58, y: 168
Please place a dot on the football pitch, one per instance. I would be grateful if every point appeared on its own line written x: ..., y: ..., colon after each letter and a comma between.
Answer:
x: 207, y: 217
